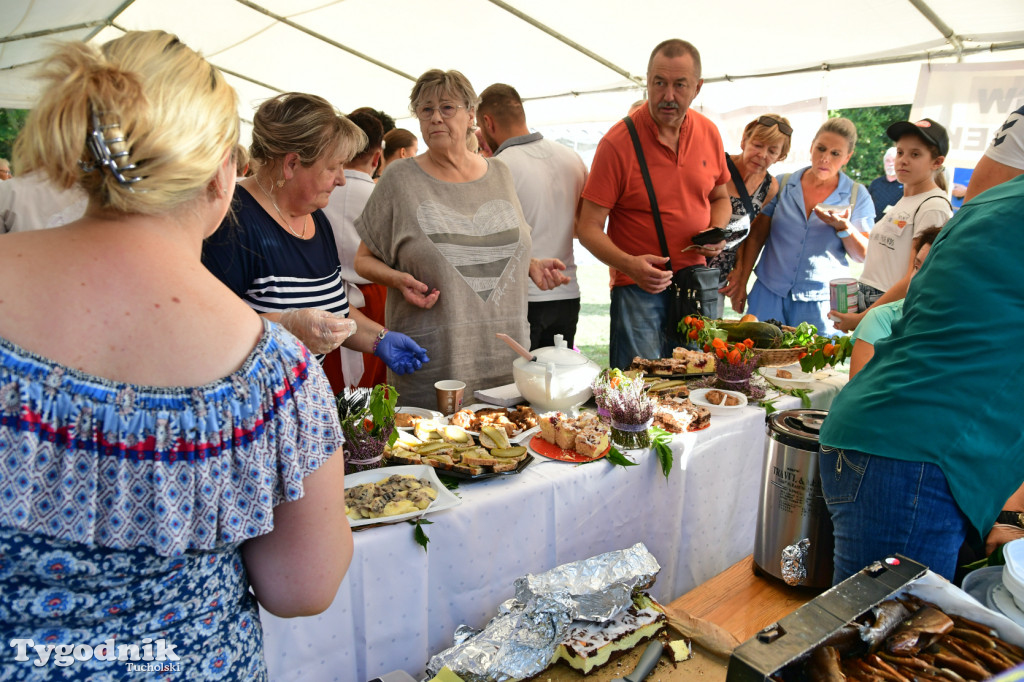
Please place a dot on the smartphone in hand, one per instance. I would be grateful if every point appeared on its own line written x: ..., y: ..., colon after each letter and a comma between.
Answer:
x: 710, y: 236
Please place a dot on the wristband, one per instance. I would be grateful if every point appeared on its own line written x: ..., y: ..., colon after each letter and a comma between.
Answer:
x: 843, y: 235
x: 380, y: 337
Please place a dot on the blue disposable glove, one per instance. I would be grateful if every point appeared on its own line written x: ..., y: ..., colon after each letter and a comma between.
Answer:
x: 400, y: 353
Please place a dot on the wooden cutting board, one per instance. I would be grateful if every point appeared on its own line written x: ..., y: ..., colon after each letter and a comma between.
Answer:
x: 737, y: 600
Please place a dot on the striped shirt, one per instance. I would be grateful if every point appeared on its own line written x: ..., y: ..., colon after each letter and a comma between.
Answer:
x: 270, y: 269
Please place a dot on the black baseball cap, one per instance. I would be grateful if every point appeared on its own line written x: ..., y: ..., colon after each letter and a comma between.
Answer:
x: 927, y: 129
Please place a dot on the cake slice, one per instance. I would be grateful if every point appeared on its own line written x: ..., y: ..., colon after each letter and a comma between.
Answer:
x: 565, y: 434
x: 591, y: 442
x: 548, y: 423
x: 590, y: 645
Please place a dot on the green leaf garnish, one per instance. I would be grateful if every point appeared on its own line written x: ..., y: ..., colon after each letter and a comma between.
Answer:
x: 616, y: 457
x: 418, y: 534
x: 663, y: 449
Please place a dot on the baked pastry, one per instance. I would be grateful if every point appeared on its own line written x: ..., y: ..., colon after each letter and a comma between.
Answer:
x: 590, y: 645
x: 716, y: 397
x: 591, y: 442
x: 548, y: 422
x: 565, y: 434
x: 404, y: 420
x: 783, y: 374
x: 701, y: 418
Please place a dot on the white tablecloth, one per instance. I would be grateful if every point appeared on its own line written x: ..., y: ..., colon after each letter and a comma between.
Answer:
x: 399, y: 604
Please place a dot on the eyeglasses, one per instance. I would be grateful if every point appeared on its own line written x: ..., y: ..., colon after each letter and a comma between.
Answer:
x: 768, y: 122
x: 447, y: 111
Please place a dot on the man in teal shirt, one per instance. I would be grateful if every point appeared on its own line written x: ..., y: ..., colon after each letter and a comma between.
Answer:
x: 928, y: 439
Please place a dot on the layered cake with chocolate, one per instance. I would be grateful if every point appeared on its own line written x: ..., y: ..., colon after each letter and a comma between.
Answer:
x: 590, y: 645
x: 678, y: 415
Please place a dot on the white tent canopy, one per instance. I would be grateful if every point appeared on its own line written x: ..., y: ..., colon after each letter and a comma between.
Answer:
x: 573, y: 60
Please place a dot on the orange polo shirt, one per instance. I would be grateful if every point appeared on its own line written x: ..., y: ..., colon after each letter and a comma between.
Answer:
x: 682, y: 182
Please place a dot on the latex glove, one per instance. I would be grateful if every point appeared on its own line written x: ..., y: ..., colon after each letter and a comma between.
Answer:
x: 400, y: 353
x: 319, y: 330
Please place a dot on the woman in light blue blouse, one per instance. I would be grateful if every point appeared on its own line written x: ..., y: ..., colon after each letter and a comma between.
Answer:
x: 168, y: 460
x: 801, y: 252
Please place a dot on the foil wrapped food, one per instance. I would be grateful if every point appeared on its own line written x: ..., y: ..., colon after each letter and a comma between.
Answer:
x: 793, y: 563
x: 521, y: 640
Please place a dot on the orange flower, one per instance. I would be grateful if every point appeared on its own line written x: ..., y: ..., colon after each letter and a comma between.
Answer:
x: 719, y: 352
x: 828, y: 349
x: 693, y: 334
x: 718, y: 343
x: 688, y: 320
x: 707, y: 347
x: 699, y: 323
x: 734, y: 357
x: 803, y: 355
x: 748, y: 343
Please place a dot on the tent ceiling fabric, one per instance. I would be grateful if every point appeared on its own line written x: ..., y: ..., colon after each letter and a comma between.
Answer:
x: 365, y: 52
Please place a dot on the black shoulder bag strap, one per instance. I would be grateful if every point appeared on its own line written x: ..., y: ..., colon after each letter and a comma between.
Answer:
x: 650, y: 188
x: 921, y: 205
x: 741, y: 186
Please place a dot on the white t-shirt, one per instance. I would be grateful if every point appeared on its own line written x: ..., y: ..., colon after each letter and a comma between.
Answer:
x: 549, y: 179
x: 344, y: 207
x: 32, y: 202
x: 891, y: 241
x: 1007, y: 146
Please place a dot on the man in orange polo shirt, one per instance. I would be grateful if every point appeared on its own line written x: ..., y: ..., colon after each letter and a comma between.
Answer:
x: 686, y: 160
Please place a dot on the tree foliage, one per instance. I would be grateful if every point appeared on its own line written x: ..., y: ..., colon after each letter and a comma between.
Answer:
x: 871, y: 122
x: 11, y: 123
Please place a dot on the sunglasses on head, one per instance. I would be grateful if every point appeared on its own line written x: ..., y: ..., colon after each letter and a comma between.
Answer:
x: 768, y: 122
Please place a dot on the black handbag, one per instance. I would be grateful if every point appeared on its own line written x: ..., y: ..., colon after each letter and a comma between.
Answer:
x: 694, y: 289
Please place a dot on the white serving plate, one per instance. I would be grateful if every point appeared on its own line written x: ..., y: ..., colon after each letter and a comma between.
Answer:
x: 800, y: 378
x: 433, y: 415
x: 520, y: 437
x: 697, y: 398
x: 446, y: 499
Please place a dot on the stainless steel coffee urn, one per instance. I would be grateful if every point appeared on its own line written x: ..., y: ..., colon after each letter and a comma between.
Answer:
x: 794, y: 530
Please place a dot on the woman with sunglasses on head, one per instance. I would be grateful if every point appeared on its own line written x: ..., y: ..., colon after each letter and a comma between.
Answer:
x: 920, y: 150
x: 445, y: 231
x: 765, y: 140
x: 803, y: 253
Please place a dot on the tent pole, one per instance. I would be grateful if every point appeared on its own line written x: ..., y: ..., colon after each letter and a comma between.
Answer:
x: 564, y: 39
x: 299, y: 27
x: 942, y: 26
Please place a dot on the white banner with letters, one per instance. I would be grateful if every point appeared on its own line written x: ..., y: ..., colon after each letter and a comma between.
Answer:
x: 972, y: 101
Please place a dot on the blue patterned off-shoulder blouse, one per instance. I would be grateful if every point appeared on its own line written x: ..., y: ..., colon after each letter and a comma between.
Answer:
x: 123, y: 509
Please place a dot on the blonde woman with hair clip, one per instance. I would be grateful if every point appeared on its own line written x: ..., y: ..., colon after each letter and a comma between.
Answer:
x: 170, y: 459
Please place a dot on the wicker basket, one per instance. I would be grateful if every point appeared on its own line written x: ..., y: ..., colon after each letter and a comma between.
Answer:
x: 778, y: 357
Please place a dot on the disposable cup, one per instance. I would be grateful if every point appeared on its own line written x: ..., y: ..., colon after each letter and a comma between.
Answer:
x: 449, y: 395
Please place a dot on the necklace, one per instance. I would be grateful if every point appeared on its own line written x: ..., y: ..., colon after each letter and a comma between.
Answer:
x: 287, y: 225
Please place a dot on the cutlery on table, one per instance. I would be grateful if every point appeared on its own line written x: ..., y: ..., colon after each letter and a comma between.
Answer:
x: 645, y: 665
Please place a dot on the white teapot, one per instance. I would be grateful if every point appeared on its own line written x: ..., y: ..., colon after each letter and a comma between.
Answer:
x: 556, y: 379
